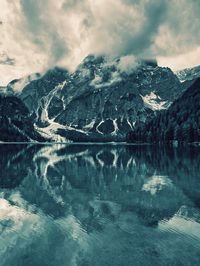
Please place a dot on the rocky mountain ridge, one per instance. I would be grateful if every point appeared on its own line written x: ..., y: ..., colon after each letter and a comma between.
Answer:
x: 188, y: 74
x: 100, y: 101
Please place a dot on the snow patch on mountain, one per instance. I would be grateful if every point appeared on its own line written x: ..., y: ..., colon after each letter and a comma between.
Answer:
x: 50, y: 132
x: 116, y: 129
x: 131, y: 125
x: 90, y: 125
x: 97, y: 128
x: 154, y: 102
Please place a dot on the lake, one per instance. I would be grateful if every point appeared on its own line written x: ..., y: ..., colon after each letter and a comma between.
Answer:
x: 96, y: 205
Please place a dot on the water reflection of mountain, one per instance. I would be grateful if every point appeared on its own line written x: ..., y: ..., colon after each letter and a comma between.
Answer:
x: 99, y: 205
x: 15, y: 163
x: 102, y: 181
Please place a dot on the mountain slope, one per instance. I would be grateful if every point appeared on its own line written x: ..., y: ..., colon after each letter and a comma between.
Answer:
x: 15, y: 121
x: 17, y: 84
x: 180, y: 122
x: 188, y: 74
x: 101, y: 101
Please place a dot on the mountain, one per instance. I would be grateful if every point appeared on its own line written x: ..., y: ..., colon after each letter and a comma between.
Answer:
x: 101, y: 100
x: 17, y: 84
x: 188, y: 74
x: 4, y: 90
x: 16, y: 123
x: 180, y: 122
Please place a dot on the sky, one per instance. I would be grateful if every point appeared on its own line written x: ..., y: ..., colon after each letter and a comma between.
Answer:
x: 40, y: 34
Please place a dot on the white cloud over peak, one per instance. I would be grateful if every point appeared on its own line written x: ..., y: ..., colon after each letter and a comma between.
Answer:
x: 127, y: 63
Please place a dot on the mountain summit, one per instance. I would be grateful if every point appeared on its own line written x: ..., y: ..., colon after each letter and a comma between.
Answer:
x: 101, y: 101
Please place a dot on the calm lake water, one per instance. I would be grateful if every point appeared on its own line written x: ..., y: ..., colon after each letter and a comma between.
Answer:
x: 96, y: 205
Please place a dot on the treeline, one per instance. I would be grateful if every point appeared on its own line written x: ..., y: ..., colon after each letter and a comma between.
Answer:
x: 180, y: 122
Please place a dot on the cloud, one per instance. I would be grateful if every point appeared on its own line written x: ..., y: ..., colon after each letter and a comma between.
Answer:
x: 40, y: 34
x: 154, y: 15
x: 181, y: 61
x: 127, y: 63
x: 6, y: 60
x: 181, y: 32
x: 44, y: 31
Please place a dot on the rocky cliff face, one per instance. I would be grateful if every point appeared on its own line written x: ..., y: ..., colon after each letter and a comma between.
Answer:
x: 100, y: 101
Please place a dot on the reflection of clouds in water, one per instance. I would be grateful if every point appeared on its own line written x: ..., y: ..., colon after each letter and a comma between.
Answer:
x: 16, y: 225
x: 23, y: 234
x: 185, y: 222
x: 99, y: 209
x: 156, y: 183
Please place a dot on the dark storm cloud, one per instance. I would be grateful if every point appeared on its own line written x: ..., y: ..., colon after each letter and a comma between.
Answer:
x: 181, y: 31
x: 155, y: 15
x: 41, y: 30
x: 118, y: 34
